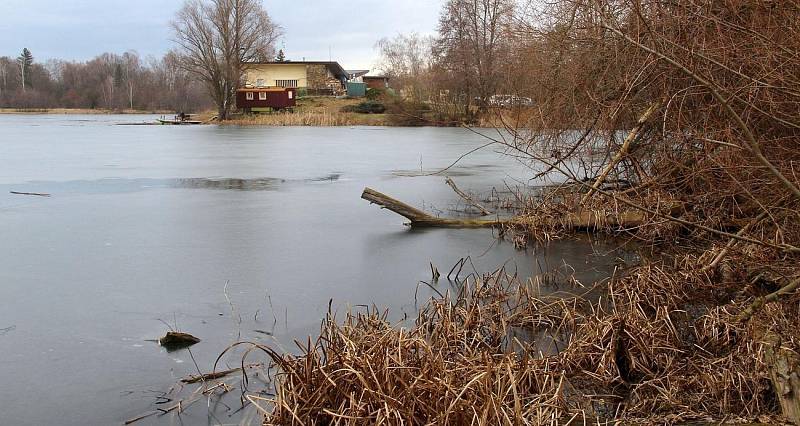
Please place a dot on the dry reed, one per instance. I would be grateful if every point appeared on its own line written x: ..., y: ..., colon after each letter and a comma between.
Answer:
x: 323, y: 118
x: 499, y: 352
x: 685, y: 336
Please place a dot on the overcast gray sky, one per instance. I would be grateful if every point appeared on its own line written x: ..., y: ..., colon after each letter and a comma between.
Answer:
x: 82, y: 29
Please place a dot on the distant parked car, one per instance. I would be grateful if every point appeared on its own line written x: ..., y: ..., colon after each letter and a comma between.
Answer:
x: 509, y: 101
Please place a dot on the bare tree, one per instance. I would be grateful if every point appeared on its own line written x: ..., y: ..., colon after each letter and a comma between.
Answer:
x: 217, y: 41
x: 132, y: 66
x: 3, y: 75
x: 472, y: 43
x: 407, y: 59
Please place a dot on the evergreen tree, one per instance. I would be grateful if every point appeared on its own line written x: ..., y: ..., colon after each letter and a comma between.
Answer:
x: 118, y: 76
x: 281, y: 56
x: 25, y: 60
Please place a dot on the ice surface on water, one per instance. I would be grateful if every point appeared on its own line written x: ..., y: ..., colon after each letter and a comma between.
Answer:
x: 146, y: 224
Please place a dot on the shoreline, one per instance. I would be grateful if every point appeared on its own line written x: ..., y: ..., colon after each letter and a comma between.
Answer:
x: 309, y: 112
x: 299, y: 118
x: 79, y: 111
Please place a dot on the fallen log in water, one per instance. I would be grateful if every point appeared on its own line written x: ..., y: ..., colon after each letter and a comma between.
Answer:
x: 420, y: 219
x: 586, y: 220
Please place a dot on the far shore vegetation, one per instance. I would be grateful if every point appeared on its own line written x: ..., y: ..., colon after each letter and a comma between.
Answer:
x: 324, y: 111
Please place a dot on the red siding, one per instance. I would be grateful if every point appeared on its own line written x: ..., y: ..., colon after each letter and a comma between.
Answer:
x: 276, y: 99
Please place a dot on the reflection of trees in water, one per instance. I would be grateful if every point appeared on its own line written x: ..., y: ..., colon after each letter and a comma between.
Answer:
x: 239, y: 184
x: 329, y: 178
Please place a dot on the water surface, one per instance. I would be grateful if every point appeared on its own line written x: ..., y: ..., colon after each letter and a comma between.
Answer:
x: 150, y: 226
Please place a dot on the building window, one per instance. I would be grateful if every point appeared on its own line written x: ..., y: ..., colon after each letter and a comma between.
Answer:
x: 260, y: 82
x: 262, y: 96
x: 291, y: 94
x: 249, y: 96
x: 286, y: 83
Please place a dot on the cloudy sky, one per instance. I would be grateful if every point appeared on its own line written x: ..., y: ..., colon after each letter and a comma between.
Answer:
x: 82, y: 29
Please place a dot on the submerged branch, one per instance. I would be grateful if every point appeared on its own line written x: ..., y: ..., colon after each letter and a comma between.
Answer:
x: 467, y: 198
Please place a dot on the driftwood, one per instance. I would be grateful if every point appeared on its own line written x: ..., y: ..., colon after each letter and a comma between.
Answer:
x: 420, y: 219
x: 587, y: 220
x: 37, y: 194
x: 216, y: 375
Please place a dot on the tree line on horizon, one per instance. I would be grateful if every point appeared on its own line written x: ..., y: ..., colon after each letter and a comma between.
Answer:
x: 471, y: 58
x: 108, y: 81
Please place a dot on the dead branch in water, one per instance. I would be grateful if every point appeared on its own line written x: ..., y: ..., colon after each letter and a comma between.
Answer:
x: 36, y: 194
x: 216, y: 375
x: 585, y: 220
x: 471, y: 201
x: 420, y: 219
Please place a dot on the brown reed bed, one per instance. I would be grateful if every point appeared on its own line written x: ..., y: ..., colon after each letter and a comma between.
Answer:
x: 498, y: 351
x: 703, y: 330
x: 325, y: 118
x: 313, y: 111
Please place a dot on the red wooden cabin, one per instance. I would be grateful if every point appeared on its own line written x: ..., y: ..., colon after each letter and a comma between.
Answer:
x: 262, y: 99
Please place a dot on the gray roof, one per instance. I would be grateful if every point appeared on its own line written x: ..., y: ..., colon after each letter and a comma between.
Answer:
x: 356, y: 73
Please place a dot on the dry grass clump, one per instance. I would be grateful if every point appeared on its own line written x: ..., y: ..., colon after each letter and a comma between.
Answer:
x: 665, y: 352
x: 498, y: 352
x: 452, y: 367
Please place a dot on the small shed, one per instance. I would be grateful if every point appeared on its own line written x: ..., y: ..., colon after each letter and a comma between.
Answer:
x: 356, y: 90
x: 376, y: 81
x: 263, y: 99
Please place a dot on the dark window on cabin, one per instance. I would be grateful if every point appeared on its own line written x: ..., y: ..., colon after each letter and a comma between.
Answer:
x: 249, y: 96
